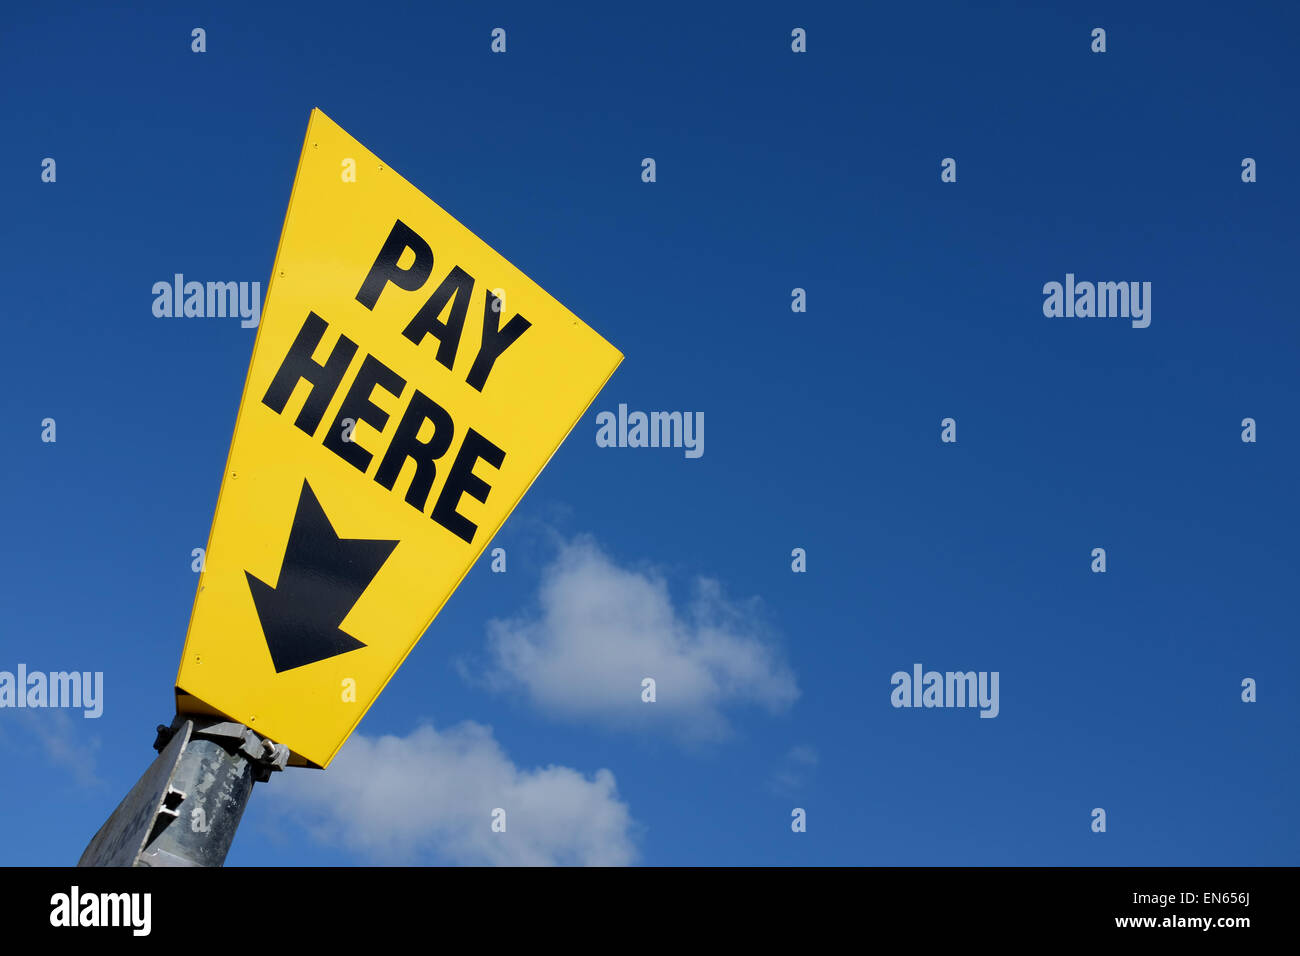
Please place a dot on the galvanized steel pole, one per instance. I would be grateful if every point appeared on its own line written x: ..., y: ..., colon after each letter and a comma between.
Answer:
x: 185, y: 809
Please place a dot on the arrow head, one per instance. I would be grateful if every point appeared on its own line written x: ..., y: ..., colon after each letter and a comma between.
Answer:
x: 321, y: 578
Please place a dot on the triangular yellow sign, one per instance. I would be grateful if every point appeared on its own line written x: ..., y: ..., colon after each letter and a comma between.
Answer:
x: 407, y: 385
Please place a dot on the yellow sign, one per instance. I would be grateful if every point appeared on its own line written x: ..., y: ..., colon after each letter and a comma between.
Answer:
x: 407, y: 385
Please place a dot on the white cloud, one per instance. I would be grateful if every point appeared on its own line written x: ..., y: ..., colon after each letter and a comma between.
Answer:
x: 429, y: 797
x: 601, y: 629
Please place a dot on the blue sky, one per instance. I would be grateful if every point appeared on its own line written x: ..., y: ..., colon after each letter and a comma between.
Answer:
x: 775, y: 170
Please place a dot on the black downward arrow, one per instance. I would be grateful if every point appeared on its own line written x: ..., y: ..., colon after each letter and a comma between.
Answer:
x: 321, y: 578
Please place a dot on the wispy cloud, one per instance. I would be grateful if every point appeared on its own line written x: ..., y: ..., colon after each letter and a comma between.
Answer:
x: 793, y: 771
x: 60, y: 739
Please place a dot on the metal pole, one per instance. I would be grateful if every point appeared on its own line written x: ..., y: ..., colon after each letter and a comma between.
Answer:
x: 185, y: 809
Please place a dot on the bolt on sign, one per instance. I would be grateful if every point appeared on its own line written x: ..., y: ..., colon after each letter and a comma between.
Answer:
x: 407, y: 386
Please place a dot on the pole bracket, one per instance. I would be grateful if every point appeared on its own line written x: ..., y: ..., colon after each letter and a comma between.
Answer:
x: 265, y: 756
